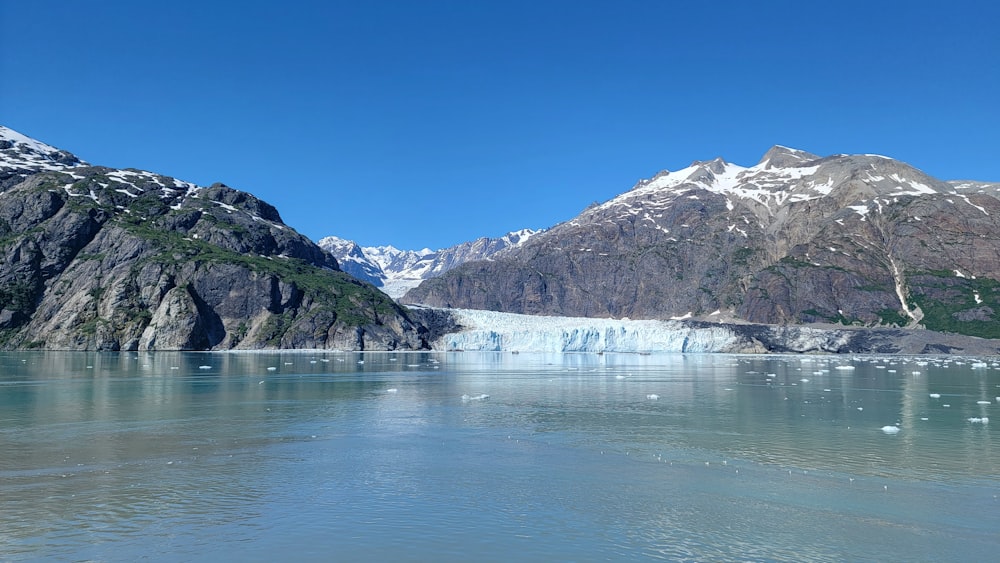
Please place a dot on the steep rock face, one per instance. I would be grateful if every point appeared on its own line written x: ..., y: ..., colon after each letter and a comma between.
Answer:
x: 95, y: 258
x: 396, y: 271
x: 852, y: 239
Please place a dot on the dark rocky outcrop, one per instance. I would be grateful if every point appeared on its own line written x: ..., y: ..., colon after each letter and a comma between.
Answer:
x: 94, y: 258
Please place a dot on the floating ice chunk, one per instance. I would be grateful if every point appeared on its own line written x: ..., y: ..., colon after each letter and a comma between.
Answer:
x: 620, y: 377
x: 889, y: 429
x: 804, y: 380
x: 983, y: 403
x: 272, y: 368
x: 980, y: 420
x: 391, y: 390
x: 652, y: 396
x: 481, y: 397
x: 935, y: 395
x: 844, y: 367
x: 204, y: 367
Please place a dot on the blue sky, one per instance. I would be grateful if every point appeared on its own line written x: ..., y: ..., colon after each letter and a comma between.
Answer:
x: 428, y: 123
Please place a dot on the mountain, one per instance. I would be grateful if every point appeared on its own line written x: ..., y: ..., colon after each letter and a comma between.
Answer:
x: 396, y: 271
x: 861, y: 240
x: 97, y: 258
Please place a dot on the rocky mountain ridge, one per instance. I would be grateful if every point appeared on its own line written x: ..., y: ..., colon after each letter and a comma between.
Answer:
x: 396, y: 271
x: 96, y: 258
x: 859, y: 240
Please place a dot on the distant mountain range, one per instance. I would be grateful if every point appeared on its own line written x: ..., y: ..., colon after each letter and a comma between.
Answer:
x: 860, y: 240
x: 97, y: 258
x: 397, y: 271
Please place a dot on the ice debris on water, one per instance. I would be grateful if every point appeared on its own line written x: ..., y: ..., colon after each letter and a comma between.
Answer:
x: 980, y: 420
x: 889, y: 429
x: 935, y: 395
x: 481, y: 397
x: 652, y: 396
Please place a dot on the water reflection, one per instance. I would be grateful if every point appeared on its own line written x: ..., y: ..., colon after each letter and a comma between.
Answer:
x: 106, y: 455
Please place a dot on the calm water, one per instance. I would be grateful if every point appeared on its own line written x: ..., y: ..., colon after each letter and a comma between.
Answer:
x: 401, y: 457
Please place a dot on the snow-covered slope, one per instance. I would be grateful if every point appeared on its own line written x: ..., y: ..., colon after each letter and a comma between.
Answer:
x: 22, y: 153
x: 396, y: 271
x: 21, y: 156
x: 786, y: 175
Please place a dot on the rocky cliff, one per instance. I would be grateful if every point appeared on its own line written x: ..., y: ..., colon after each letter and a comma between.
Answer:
x: 859, y: 240
x: 95, y: 258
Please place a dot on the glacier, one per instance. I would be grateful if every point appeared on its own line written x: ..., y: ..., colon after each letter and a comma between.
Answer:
x: 495, y: 331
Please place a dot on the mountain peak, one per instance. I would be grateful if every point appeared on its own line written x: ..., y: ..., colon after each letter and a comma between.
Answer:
x: 717, y: 165
x: 18, y: 151
x: 780, y: 156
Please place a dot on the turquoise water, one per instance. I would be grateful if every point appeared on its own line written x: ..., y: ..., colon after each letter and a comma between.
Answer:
x: 496, y: 457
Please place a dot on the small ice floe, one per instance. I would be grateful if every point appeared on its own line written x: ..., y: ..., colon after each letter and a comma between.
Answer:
x: 983, y: 403
x: 204, y: 367
x: 978, y: 365
x: 844, y: 367
x: 804, y: 380
x: 481, y: 397
x: 924, y: 418
x: 935, y: 395
x: 652, y: 396
x: 620, y: 376
x: 890, y: 429
x: 861, y: 408
x: 272, y: 368
x: 980, y: 420
x: 392, y: 390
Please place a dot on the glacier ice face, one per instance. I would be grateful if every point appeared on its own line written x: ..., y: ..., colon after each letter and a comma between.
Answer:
x: 493, y: 331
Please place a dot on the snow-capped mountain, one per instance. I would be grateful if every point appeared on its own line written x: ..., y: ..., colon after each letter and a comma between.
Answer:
x: 396, y: 271
x: 97, y: 258
x: 796, y: 238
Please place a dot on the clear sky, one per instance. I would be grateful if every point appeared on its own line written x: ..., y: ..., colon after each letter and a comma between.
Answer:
x: 426, y: 123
